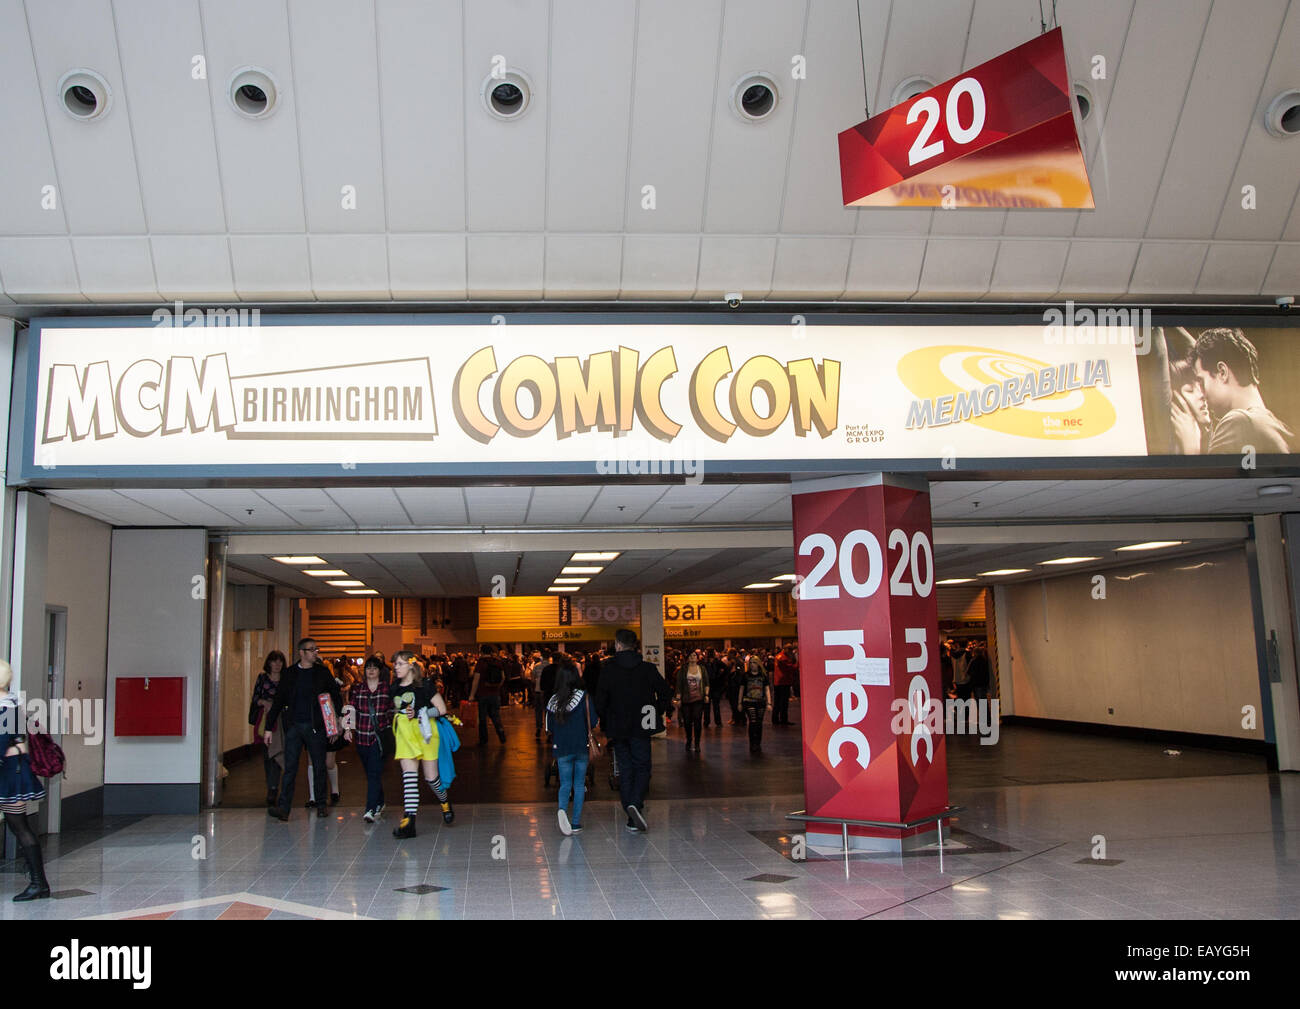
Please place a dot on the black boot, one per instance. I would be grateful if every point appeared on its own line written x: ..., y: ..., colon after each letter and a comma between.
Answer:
x: 406, y: 828
x: 39, y: 887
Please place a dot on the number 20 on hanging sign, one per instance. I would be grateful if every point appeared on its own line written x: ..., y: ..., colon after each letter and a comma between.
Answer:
x: 1002, y: 134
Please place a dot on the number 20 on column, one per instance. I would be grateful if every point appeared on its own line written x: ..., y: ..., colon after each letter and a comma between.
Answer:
x: 913, y: 571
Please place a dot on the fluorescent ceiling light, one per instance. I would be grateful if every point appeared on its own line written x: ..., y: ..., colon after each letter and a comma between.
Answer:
x: 955, y: 581
x: 1070, y: 560
x: 347, y: 584
x: 581, y: 571
x: 326, y: 573
x: 563, y: 588
x: 362, y: 592
x: 784, y: 578
x: 572, y: 581
x: 1003, y: 571
x: 607, y: 555
x: 1153, y: 545
x: 764, y: 585
x: 1274, y: 490
x: 300, y: 560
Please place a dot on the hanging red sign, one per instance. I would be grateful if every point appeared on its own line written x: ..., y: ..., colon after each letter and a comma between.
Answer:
x: 1002, y: 135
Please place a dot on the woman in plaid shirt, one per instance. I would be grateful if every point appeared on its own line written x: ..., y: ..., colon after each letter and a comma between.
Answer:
x: 373, y: 701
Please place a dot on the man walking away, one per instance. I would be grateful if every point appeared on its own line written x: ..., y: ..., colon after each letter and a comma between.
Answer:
x: 630, y: 696
x: 787, y: 672
x: 489, y: 682
x: 298, y: 697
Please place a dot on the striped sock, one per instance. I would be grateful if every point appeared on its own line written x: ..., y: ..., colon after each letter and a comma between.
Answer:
x: 438, y: 790
x: 333, y: 774
x: 411, y: 792
x: 311, y: 782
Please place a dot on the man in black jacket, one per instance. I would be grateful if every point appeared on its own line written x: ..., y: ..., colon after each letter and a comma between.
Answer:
x: 630, y: 699
x: 298, y: 697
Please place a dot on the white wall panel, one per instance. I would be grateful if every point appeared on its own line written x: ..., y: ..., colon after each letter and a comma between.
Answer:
x: 747, y: 162
x: 583, y: 266
x: 261, y: 176
x: 22, y: 124
x: 193, y: 267
x: 40, y: 269
x: 735, y: 263
x: 349, y: 267
x: 506, y: 160
x: 506, y: 266
x: 426, y: 266
x: 171, y: 115
x: 660, y: 266
x: 115, y: 269
x: 95, y: 158
x: 422, y: 83
x: 590, y: 106
x: 335, y: 68
x: 271, y: 266
x: 885, y: 267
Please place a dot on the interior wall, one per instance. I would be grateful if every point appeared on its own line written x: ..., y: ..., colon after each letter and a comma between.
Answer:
x: 76, y: 579
x: 242, y: 656
x: 1171, y: 646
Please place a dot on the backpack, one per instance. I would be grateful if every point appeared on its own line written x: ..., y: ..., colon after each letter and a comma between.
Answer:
x: 493, y: 675
x: 755, y: 690
x: 44, y: 755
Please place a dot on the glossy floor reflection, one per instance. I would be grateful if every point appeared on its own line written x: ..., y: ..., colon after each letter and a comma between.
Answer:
x: 1210, y: 847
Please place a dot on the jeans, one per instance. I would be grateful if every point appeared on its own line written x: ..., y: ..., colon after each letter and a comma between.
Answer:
x: 489, y: 707
x: 298, y: 735
x: 272, y: 768
x: 714, y: 702
x: 539, y: 710
x: 754, y: 713
x: 633, y: 770
x: 573, y: 777
x: 692, y: 716
x: 373, y: 761
x: 781, y: 705
x: 733, y: 699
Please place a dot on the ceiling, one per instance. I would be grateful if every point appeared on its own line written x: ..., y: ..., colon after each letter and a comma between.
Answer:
x: 172, y: 194
x: 633, y: 506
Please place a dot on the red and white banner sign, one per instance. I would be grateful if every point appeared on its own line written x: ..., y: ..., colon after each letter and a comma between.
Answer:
x: 1000, y: 135
x: 868, y: 646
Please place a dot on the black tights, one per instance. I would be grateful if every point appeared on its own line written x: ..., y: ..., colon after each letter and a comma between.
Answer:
x: 17, y: 822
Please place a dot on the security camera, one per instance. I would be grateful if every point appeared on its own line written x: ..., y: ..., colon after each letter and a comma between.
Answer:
x: 1285, y: 302
x: 734, y: 300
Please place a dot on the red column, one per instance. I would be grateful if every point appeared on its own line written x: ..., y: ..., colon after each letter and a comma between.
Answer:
x: 873, y: 747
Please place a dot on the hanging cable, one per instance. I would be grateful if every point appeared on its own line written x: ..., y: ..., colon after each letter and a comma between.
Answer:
x: 1042, y: 18
x: 862, y: 49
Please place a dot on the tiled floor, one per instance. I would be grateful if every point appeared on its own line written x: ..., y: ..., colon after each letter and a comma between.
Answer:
x: 1212, y: 847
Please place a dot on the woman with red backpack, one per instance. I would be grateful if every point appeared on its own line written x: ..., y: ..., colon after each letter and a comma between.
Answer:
x: 19, y: 786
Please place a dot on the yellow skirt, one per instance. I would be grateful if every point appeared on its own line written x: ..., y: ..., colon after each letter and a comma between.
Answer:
x: 410, y: 743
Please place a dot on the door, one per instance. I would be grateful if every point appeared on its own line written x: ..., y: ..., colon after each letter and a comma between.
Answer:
x: 48, y: 818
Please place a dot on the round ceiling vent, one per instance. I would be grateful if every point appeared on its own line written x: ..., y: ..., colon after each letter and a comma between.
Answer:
x: 85, y: 94
x: 253, y: 92
x: 754, y: 97
x: 1282, y: 118
x: 508, y: 94
x: 909, y: 88
x: 1082, y: 101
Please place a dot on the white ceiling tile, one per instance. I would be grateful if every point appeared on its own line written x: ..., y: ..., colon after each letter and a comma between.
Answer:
x: 271, y: 266
x: 747, y: 162
x: 810, y: 267
x: 582, y: 266
x: 370, y: 507
x: 349, y: 267
x: 1027, y: 268
x: 171, y: 116
x: 731, y: 263
x: 239, y: 502
x: 1235, y: 268
x: 1284, y: 274
x: 179, y: 505
x: 39, y: 269
x: 506, y: 266
x: 672, y: 112
x: 115, y: 269
x: 497, y: 505
x: 1167, y: 267
x: 308, y: 506
x: 22, y: 124
x: 660, y: 266
x: 426, y: 266
x: 434, y: 506
x: 338, y: 113
x: 115, y: 508
x: 506, y: 160
x: 95, y: 158
x: 622, y: 504
x: 586, y: 179
x: 885, y: 267
x: 261, y: 174
x: 957, y: 267
x: 893, y: 221
x: 559, y: 505
x: 193, y: 267
x: 1240, y: 34
x: 1098, y: 269
x: 825, y: 107
x: 1146, y: 101
x: 420, y: 55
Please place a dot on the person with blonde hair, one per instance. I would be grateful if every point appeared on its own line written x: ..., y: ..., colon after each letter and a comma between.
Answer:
x: 19, y: 786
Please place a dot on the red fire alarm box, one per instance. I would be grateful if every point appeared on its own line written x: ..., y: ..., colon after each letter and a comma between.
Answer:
x: 149, y: 706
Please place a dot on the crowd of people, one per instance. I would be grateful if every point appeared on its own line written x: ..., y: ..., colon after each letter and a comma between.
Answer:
x: 409, y: 711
